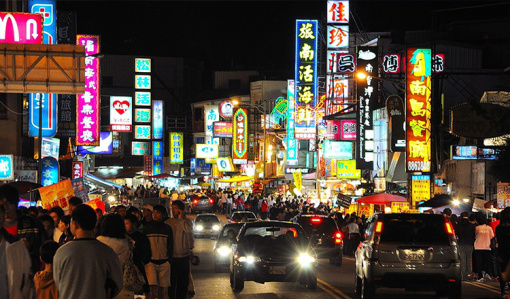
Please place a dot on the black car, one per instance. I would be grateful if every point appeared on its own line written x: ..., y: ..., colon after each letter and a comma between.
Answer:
x: 243, y: 216
x: 206, y: 225
x: 201, y: 203
x: 223, y: 246
x: 272, y: 251
x: 325, y: 237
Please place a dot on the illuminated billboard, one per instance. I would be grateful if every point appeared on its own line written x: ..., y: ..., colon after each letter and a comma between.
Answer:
x: 6, y: 168
x: 88, y: 121
x: 105, y: 146
x: 25, y: 28
x: 143, y: 98
x: 391, y: 63
x: 367, y: 94
x: 225, y: 164
x: 222, y: 129
x: 142, y: 132
x: 121, y: 111
x: 338, y: 150
x: 418, y: 110
x: 157, y: 119
x: 176, y: 146
x: 143, y: 81
x: 50, y: 171
x: 337, y: 89
x: 142, y: 65
x: 206, y: 151
x: 142, y: 115
x: 338, y: 12
x: 292, y: 143
x: 337, y: 36
x: 140, y: 148
x: 77, y: 167
x: 306, y: 78
x: 211, y: 114
x: 50, y: 147
x: 48, y: 10
x: 240, y: 137
x: 346, y: 169
x: 49, y: 114
x: 348, y: 129
x: 157, y: 157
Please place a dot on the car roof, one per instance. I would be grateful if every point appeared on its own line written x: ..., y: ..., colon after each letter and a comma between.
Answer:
x: 229, y: 225
x: 244, y: 212
x: 271, y: 223
x: 206, y: 214
x: 314, y: 215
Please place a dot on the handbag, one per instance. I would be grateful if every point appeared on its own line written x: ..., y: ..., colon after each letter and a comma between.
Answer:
x: 133, y: 277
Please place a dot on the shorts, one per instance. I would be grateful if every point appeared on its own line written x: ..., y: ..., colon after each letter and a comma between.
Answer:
x: 158, y: 275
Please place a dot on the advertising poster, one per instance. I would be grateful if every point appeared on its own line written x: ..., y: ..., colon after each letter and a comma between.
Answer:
x: 121, y: 111
x: 57, y: 195
x: 80, y: 189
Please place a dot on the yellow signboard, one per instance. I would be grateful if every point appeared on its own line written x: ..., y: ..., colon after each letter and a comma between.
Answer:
x: 399, y: 206
x: 420, y: 189
x: 298, y: 180
x: 346, y: 169
x: 366, y: 209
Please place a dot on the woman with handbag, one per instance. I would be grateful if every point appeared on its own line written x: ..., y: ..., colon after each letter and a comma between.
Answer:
x: 113, y: 234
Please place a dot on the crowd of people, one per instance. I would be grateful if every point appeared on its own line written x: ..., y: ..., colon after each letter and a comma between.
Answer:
x: 88, y: 254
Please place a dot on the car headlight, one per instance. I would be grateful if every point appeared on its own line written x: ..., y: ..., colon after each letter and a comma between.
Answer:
x: 305, y: 259
x: 199, y: 228
x: 249, y: 259
x: 216, y: 227
x: 223, y: 250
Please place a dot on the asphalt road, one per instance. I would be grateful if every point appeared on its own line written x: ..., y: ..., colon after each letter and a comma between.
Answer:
x: 333, y: 282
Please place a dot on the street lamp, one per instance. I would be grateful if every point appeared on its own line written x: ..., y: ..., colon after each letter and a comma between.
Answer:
x: 397, y: 83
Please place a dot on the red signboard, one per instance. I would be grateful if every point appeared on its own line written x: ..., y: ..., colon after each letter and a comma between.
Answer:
x: 348, y: 130
x: 222, y: 129
x: 21, y: 28
x: 77, y: 169
x: 333, y: 129
x: 147, y: 165
x: 240, y: 137
x: 418, y: 110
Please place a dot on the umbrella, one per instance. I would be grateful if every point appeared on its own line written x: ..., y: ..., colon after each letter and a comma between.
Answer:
x: 381, y: 199
x: 438, y: 200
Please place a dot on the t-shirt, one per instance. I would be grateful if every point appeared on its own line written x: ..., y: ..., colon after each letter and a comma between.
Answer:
x: 4, y: 280
x: 83, y: 267
x: 483, y: 236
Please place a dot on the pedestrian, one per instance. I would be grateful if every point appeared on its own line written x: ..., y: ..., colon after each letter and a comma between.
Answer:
x: 86, y: 268
x: 56, y: 213
x: 142, y: 251
x: 73, y: 203
x: 228, y: 210
x: 182, y: 229
x: 160, y: 236
x: 113, y: 234
x: 503, y: 244
x: 28, y: 229
x: 264, y: 209
x: 482, y: 245
x: 121, y: 210
x: 65, y: 227
x: 15, y: 264
x: 146, y: 214
x: 45, y: 287
x: 49, y: 225
x: 466, y: 239
x: 354, y: 236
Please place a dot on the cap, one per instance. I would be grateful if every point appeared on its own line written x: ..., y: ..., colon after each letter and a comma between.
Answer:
x: 148, y: 207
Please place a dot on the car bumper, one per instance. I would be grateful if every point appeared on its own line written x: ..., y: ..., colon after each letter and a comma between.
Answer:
x: 222, y: 260
x: 201, y: 208
x: 279, y: 272
x: 206, y: 232
x: 328, y: 252
x: 414, y: 277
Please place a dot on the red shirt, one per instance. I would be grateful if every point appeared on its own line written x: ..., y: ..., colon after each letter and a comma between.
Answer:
x: 13, y: 230
x: 493, y: 225
x: 264, y: 207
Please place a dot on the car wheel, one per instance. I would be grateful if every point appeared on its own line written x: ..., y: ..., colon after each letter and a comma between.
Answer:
x: 312, y: 282
x: 357, y: 285
x: 367, y: 290
x: 237, y: 281
x: 455, y: 291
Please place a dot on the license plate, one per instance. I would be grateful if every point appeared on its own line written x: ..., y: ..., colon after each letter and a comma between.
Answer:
x: 277, y: 270
x: 418, y: 255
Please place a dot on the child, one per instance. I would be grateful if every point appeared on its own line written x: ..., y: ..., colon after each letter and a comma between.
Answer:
x: 45, y: 287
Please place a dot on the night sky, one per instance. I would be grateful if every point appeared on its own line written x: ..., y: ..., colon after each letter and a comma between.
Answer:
x: 246, y: 34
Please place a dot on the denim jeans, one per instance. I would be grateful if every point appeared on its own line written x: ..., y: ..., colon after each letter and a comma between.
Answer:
x: 466, y: 252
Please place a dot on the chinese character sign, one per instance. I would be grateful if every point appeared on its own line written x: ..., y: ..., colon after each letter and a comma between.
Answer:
x: 337, y: 89
x: 157, y: 157
x: 333, y: 129
x: 338, y: 12
x: 121, y: 110
x: 222, y: 129
x: 48, y: 102
x: 211, y: 114
x: 49, y: 172
x: 142, y: 98
x: 142, y: 65
x: 367, y: 94
x: 77, y: 169
x: 47, y: 9
x: 292, y: 143
x: 88, y: 120
x: 420, y: 189
x: 240, y: 137
x: 345, y: 63
x: 140, y: 148
x: 438, y: 63
x: 142, y: 115
x: 21, y: 28
x: 348, y: 128
x: 418, y: 110
x: 337, y: 37
x: 157, y: 119
x: 142, y: 132
x: 147, y: 165
x: 143, y: 81
x: 306, y: 78
x: 391, y: 64
x: 6, y: 168
x: 176, y: 145
x: 346, y: 169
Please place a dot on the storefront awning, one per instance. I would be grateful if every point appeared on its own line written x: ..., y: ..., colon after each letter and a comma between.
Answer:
x: 100, y: 182
x: 236, y: 179
x: 107, y: 174
x: 381, y: 199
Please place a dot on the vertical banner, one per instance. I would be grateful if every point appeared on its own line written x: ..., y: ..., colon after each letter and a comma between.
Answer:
x: 418, y: 110
x: 211, y: 114
x: 306, y: 78
x: 121, y: 111
x: 49, y: 114
x: 88, y: 111
x: 240, y: 137
x: 298, y: 182
x: 176, y: 143
x: 143, y: 84
x: 420, y: 189
x: 77, y: 169
x: 157, y: 157
x: 50, y: 171
x: 147, y: 165
x: 157, y: 119
x: 367, y: 93
x: 292, y: 144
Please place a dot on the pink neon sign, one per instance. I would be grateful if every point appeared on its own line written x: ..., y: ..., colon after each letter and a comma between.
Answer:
x: 87, y: 107
x: 21, y: 28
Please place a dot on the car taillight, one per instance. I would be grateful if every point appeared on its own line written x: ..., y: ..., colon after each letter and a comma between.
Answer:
x: 316, y: 220
x: 211, y: 201
x: 378, y: 227
x: 338, y: 238
x: 195, y: 201
x: 449, y: 228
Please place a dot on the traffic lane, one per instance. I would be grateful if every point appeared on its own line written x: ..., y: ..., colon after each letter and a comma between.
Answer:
x: 209, y: 284
x: 340, y: 281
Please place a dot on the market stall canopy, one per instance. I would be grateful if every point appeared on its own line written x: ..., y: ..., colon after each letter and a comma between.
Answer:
x: 381, y: 199
x: 100, y: 182
x: 163, y: 176
x: 242, y: 178
x: 107, y: 174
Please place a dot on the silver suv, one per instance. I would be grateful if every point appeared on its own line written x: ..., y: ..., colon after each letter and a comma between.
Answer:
x: 417, y: 252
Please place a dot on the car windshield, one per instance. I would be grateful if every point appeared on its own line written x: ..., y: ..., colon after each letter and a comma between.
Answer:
x: 274, y: 233
x: 414, y: 228
x: 206, y: 218
x: 240, y: 216
x: 233, y: 229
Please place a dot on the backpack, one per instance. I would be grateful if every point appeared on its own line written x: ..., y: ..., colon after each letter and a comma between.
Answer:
x: 132, y: 276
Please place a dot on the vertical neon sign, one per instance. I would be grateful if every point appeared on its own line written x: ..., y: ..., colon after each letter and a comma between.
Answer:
x: 240, y: 137
x: 87, y: 108
x: 157, y: 157
x: 292, y: 144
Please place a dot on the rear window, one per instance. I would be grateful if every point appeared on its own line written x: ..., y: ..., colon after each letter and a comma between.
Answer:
x: 415, y: 229
x: 207, y: 218
x: 327, y: 225
x: 274, y: 233
x: 240, y: 216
